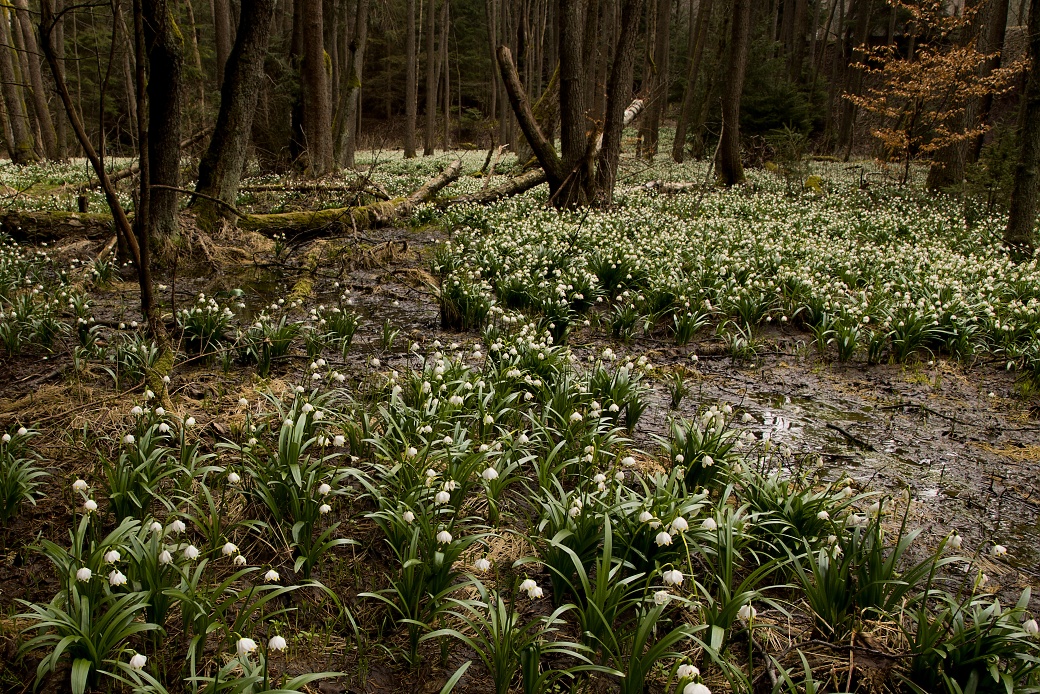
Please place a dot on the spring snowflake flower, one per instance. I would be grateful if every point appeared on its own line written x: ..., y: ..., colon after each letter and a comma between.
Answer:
x: 1030, y: 627
x: 277, y: 643
x: 823, y: 515
x: 112, y: 556
x: 234, y: 478
x: 375, y: 362
x: 165, y: 557
x: 408, y: 516
x: 189, y: 422
x: 687, y: 671
x: 489, y: 474
x: 482, y: 564
x: 999, y: 550
x: 680, y: 525
x: 79, y: 486
x: 955, y: 541
x: 89, y: 506
x: 522, y: 438
x: 747, y: 612
x: 228, y: 549
x: 191, y: 552
x: 662, y: 597
x: 129, y: 439
x: 444, y: 537
x: 663, y: 538
x: 672, y: 577
x: 339, y: 440
x: 442, y: 497
x: 695, y: 688
x: 137, y: 662
x: 240, y: 560
x: 84, y: 574
x: 155, y: 527
x: 136, y: 411
x: 709, y: 524
x: 324, y: 489
x: 6, y: 438
x: 272, y: 576
x: 707, y: 461
x: 646, y: 517
x: 411, y: 452
x: 324, y: 508
x: 177, y: 526
x: 531, y: 588
x: 243, y: 402
x: 245, y: 646
x: 116, y: 578
x: 575, y: 417
x: 160, y: 411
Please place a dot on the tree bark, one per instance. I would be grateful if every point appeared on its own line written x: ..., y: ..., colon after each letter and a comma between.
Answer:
x: 659, y: 80
x: 1020, y: 233
x: 316, y: 101
x: 730, y: 168
x: 411, y: 84
x: 222, y: 35
x: 431, y: 79
x: 164, y: 43
x: 22, y: 147
x: 854, y: 77
x: 350, y: 93
x: 220, y: 170
x: 695, y: 51
x: 39, y: 91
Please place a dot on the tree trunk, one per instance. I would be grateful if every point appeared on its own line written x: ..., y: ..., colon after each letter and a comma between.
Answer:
x: 431, y: 78
x: 995, y: 33
x: 39, y: 91
x: 1020, y: 233
x: 730, y: 168
x: 445, y: 62
x: 350, y: 93
x: 796, y: 55
x: 854, y: 77
x: 659, y: 89
x: 220, y: 170
x: 411, y: 84
x: 695, y: 52
x: 164, y: 43
x: 222, y: 34
x: 22, y: 146
x: 316, y: 102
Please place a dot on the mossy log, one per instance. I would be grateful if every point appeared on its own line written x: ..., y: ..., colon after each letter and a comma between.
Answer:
x: 46, y: 226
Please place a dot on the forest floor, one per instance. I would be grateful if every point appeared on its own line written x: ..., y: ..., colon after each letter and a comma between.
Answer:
x: 958, y: 437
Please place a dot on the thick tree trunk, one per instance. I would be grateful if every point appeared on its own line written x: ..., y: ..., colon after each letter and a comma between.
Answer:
x: 316, y: 101
x: 39, y: 91
x: 431, y: 79
x: 350, y: 93
x: 22, y: 145
x: 695, y: 51
x: 220, y: 170
x: 1020, y: 233
x: 730, y: 168
x: 165, y: 46
x: 411, y: 84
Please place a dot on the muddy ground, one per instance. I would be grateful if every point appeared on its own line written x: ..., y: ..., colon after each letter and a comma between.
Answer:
x: 964, y: 438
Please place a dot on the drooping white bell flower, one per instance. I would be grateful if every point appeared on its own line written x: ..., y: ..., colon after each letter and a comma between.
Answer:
x: 672, y: 577
x: 90, y: 506
x: 116, y: 578
x: 272, y: 576
x: 111, y: 556
x: 482, y: 564
x: 489, y: 474
x: 165, y: 557
x: 138, y: 661
x: 79, y: 486
x: 709, y: 524
x: 663, y: 538
x: 408, y: 516
x: 747, y: 612
x: 687, y: 671
x: 84, y: 574
x: 177, y: 526
x: 661, y: 597
x: 444, y: 537
x: 191, y: 552
x: 245, y: 646
x: 228, y: 549
x: 680, y: 525
x: 277, y: 643
x: 695, y: 688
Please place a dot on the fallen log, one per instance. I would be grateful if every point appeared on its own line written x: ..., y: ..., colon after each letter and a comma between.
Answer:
x: 44, y: 227
x: 301, y: 226
x: 315, y: 188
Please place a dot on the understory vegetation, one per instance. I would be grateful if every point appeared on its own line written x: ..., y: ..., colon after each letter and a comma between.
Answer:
x: 481, y: 508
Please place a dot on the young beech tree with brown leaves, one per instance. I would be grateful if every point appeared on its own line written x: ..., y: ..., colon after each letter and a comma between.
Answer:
x: 921, y: 97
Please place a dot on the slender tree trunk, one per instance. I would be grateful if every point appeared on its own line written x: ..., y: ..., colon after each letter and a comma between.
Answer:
x: 411, y: 84
x: 39, y: 91
x: 350, y: 93
x: 22, y: 75
x: 222, y: 34
x: 659, y: 93
x: 220, y: 170
x: 431, y: 78
x: 165, y: 45
x: 1020, y: 235
x: 316, y: 101
x: 197, y: 57
x: 446, y: 63
x: 995, y: 35
x: 22, y: 147
x: 796, y: 57
x: 730, y: 168
x: 695, y: 51
x: 854, y: 78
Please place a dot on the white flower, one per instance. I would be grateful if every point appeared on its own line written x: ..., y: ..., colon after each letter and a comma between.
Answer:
x: 277, y: 643
x: 155, y: 527
x: 189, y: 422
x: 240, y: 560
x: 191, y: 552
x: 243, y: 402
x: 324, y: 489
x: 695, y: 688
x: 177, y: 526
x: 164, y: 428
x: 6, y: 438
x: 680, y: 525
x: 522, y: 438
x: 339, y: 440
x: 408, y: 516
x: 531, y: 588
x: 1030, y: 627
x: 233, y: 478
x: 129, y: 439
x: 411, y: 452
x: 165, y: 557
x: 90, y: 506
x: 84, y: 574
x: 575, y: 417
x: 136, y: 411
x: 708, y: 461
x: 662, y: 597
x: 111, y: 556
x: 999, y: 550
x: 228, y: 549
x: 687, y: 671
x: 375, y: 362
x: 628, y: 461
x: 482, y: 564
x: 272, y: 576
x: 490, y: 474
x: 245, y: 646
x: 823, y: 515
x: 672, y: 577
x: 444, y: 537
x: 160, y: 411
x: 955, y: 541
x: 709, y: 524
x: 747, y: 612
x: 324, y: 508
x: 116, y: 578
x: 79, y: 486
x: 442, y: 497
x: 646, y: 517
x: 663, y: 538
x: 138, y: 661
